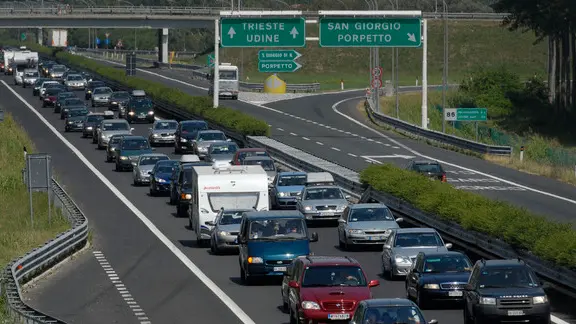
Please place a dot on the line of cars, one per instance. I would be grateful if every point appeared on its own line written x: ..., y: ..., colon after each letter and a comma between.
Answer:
x: 237, y: 200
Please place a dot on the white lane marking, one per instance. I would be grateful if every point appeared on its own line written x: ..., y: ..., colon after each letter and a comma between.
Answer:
x: 120, y: 287
x: 280, y: 129
x: 352, y: 155
x: 335, y: 149
x: 319, y: 143
x: 335, y: 109
x: 293, y: 134
x: 371, y: 160
x: 226, y: 300
x: 305, y: 138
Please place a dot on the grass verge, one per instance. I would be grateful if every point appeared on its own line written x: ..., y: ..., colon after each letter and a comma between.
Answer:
x: 534, y: 161
x: 16, y: 233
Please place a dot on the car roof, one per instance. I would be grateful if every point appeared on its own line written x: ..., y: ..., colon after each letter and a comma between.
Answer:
x: 134, y: 137
x: 116, y: 120
x: 216, y: 143
x: 257, y: 158
x: 191, y: 165
x: 165, y: 121
x: 415, y: 230
x: 442, y: 254
x: 372, y: 206
x: 503, y: 263
x: 321, y: 260
x: 167, y: 162
x: 290, y: 173
x: 121, y: 92
x: 425, y: 162
x: 388, y: 302
x: 96, y: 114
x: 153, y: 154
x: 256, y: 215
x: 207, y: 131
x: 252, y: 149
x: 195, y: 121
x: 101, y: 88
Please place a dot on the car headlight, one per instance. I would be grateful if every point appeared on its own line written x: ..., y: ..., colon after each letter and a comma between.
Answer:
x: 432, y: 286
x: 488, y: 301
x: 183, y: 140
x: 355, y: 231
x: 124, y: 158
x: 307, y: 208
x: 540, y: 300
x: 160, y: 180
x: 103, y: 136
x: 310, y: 305
x: 89, y: 91
x: 253, y: 260
x: 402, y: 259
x: 223, y: 233
x: 89, y: 128
x: 70, y: 122
x: 281, y: 194
x: 203, y: 149
x: 151, y: 112
x: 186, y: 196
x: 143, y: 172
x: 114, y: 103
x: 154, y: 135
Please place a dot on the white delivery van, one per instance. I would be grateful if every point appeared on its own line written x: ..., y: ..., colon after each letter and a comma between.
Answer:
x: 228, y: 187
x: 228, y: 82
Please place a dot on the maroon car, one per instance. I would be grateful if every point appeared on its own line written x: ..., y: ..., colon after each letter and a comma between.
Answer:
x: 51, y: 96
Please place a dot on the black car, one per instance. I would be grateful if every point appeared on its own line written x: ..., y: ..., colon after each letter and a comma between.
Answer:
x: 46, y: 67
x: 388, y: 310
x: 186, y: 133
x: 438, y: 276
x: 181, y: 187
x: 71, y: 103
x: 430, y: 169
x: 60, y: 99
x: 113, y: 145
x: 505, y: 291
x: 117, y: 100
x: 91, y: 121
x: 36, y: 88
x: 140, y: 109
x: 75, y: 119
x: 90, y: 88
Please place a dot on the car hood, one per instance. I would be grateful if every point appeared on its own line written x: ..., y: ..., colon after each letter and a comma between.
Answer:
x: 75, y: 118
x: 289, y: 188
x: 145, y: 168
x: 163, y: 175
x: 323, y: 294
x: 279, y: 250
x: 104, y: 95
x: 459, y: 277
x: 71, y: 107
x: 134, y: 152
x: 164, y: 131
x: 229, y: 228
x: 222, y: 157
x: 206, y: 143
x: 115, y: 132
x: 340, y: 203
x: 376, y: 225
x: 512, y: 292
x: 411, y: 252
x: 91, y: 123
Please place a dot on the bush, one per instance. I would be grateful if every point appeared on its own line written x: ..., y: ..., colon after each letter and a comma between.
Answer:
x: 516, y: 226
x: 231, y: 119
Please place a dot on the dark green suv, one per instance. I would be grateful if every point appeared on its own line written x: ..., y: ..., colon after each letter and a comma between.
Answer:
x: 129, y: 149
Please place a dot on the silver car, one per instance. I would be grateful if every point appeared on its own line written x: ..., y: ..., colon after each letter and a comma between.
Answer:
x: 221, y: 152
x: 57, y: 71
x: 162, y: 132
x: 145, y: 164
x: 322, y: 202
x: 29, y: 78
x: 267, y: 164
x: 404, y: 244
x: 109, y: 127
x: 100, y: 96
x: 204, y: 139
x: 225, y: 229
x: 365, y: 224
x: 75, y: 82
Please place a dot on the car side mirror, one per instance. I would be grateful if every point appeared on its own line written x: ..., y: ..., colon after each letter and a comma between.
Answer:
x: 347, y: 197
x: 314, y: 237
x: 240, y: 239
x: 210, y: 223
x: 228, y: 140
x: 150, y: 173
x: 448, y: 245
x: 270, y: 185
x: 293, y: 284
x: 387, y: 246
x: 433, y: 322
x: 132, y: 129
x: 373, y: 283
x: 468, y: 287
x: 399, y: 220
x: 341, y: 221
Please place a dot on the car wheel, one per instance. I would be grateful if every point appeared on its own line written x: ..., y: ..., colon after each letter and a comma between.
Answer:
x: 285, y: 305
x: 340, y: 243
x: 108, y: 158
x: 408, y: 296
x: 100, y: 147
x: 136, y: 183
x: 117, y: 168
x: 173, y: 202
x: 385, y: 272
x: 66, y: 130
x: 152, y: 192
x: 43, y: 105
x: 245, y: 277
x: 421, y: 302
x: 214, y: 248
x: 467, y: 319
x: 94, y: 141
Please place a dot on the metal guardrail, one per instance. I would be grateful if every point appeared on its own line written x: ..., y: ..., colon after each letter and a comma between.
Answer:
x: 435, y: 136
x: 38, y: 260
x: 137, y: 52
x: 117, y: 55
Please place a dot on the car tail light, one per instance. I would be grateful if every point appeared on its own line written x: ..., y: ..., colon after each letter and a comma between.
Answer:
x: 444, y: 177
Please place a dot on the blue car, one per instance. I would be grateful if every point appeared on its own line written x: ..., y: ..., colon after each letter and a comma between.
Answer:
x: 268, y: 242
x: 160, y: 177
x: 285, y: 188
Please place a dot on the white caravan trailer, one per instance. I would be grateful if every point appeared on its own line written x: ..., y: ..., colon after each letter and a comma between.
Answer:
x: 23, y: 60
x: 228, y: 187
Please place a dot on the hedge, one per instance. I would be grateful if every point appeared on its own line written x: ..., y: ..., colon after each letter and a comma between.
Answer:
x: 516, y: 226
x: 231, y: 119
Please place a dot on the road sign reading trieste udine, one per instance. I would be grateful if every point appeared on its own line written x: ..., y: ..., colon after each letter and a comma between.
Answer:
x: 263, y: 32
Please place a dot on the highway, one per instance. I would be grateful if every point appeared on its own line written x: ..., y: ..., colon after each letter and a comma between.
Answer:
x: 313, y: 124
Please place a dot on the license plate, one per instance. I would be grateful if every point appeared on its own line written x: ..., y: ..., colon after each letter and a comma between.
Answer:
x: 142, y: 115
x: 515, y: 313
x: 327, y: 214
x: 338, y: 316
x: 374, y: 238
x: 455, y: 293
x: 279, y: 269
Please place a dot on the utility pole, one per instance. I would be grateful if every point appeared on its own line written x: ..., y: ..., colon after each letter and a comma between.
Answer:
x: 445, y: 66
x: 397, y: 80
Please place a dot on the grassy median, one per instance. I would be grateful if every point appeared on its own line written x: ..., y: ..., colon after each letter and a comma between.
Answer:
x: 16, y: 233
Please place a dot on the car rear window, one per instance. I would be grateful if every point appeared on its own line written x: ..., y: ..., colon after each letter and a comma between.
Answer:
x: 428, y: 167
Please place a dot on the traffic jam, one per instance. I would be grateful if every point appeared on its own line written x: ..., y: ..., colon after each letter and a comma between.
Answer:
x: 238, y: 201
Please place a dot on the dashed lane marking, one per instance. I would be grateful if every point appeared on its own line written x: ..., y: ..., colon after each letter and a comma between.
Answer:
x: 293, y: 134
x: 335, y: 149
x: 305, y: 138
x: 126, y: 296
x: 319, y: 143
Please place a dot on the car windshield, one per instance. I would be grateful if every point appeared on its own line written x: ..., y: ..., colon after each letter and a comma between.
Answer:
x: 120, y: 95
x: 39, y: 82
x: 94, y: 118
x: 96, y: 84
x: 65, y: 95
x: 115, y: 140
x: 166, y: 125
x: 428, y: 167
x: 417, y: 239
x: 231, y: 217
x: 228, y: 75
x: 115, y: 126
x: 151, y: 160
x: 323, y: 194
x: 75, y: 78
x: 53, y: 91
x: 59, y: 69
x: 165, y: 168
x: 292, y: 180
x: 31, y: 74
x: 507, y: 277
x: 447, y: 263
x: 73, y: 102
x: 193, y: 127
x: 77, y: 112
x: 141, y: 104
x: 223, y: 149
x: 370, y: 215
x: 135, y: 144
x: 393, y: 314
x: 330, y: 276
x: 102, y: 90
x: 212, y: 136
x: 267, y: 165
x: 245, y: 154
x: 48, y: 84
x: 278, y: 229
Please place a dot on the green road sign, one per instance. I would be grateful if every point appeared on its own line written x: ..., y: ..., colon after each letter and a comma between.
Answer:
x: 466, y: 114
x: 263, y: 32
x: 23, y: 36
x: 210, y: 61
x: 278, y: 66
x: 370, y: 32
x: 278, y: 55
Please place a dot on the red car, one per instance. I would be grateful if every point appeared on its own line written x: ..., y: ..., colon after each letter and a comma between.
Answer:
x: 241, y: 154
x: 324, y: 289
x: 50, y: 97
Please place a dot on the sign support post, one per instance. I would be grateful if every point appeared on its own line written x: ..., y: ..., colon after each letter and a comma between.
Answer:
x: 216, y: 76
x: 425, y: 74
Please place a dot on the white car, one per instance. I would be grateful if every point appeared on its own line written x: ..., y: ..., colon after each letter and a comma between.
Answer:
x: 44, y: 86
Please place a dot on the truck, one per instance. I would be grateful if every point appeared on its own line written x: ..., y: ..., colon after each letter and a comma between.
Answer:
x: 23, y: 60
x: 228, y: 81
x: 59, y: 38
x: 224, y: 186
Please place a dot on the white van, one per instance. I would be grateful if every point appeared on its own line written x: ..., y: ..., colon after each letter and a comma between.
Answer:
x: 228, y: 82
x: 319, y: 179
x: 228, y: 187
